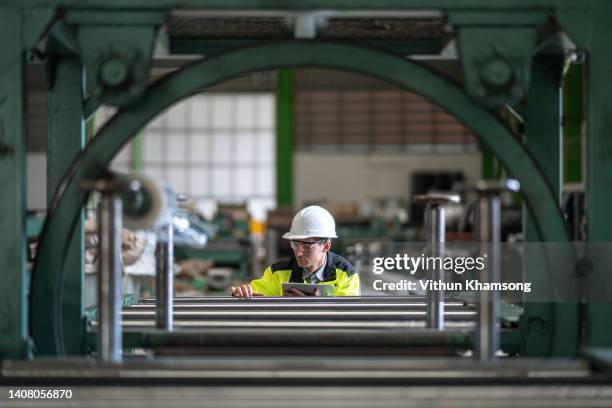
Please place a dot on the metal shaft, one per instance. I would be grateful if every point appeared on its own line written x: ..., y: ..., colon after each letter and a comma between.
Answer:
x: 436, y: 237
x: 164, y: 278
x: 109, y: 278
x: 315, y: 337
x: 489, y: 232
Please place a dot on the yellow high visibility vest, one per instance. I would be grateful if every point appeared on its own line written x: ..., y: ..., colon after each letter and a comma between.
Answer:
x: 338, y: 272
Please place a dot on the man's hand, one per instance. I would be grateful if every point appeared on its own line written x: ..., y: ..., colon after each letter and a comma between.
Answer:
x: 244, y: 291
x: 297, y: 292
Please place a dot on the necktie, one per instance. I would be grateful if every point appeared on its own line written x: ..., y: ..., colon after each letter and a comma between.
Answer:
x: 312, y: 278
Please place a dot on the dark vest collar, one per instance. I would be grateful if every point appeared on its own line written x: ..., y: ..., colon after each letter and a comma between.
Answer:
x: 329, y: 273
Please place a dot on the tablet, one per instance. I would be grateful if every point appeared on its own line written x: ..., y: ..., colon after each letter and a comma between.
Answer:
x: 309, y: 289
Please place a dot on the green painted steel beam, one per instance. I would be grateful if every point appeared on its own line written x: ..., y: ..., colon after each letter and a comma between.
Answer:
x: 90, y: 106
x: 599, y: 175
x: 302, y: 5
x: 590, y: 29
x: 37, y: 19
x: 66, y: 140
x: 292, y: 54
x: 548, y: 329
x: 209, y: 46
x: 62, y: 40
x: 486, y: 163
x: 284, y: 138
x: 19, y: 31
x: 493, y: 18
x: 13, y: 290
x: 489, y: 168
x: 543, y: 131
x: 136, y: 159
x: 100, y: 17
x: 572, y: 112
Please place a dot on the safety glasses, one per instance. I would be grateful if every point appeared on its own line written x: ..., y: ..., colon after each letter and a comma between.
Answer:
x: 305, y: 245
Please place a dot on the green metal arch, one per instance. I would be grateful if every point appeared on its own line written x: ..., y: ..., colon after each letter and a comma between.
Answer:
x: 47, y: 279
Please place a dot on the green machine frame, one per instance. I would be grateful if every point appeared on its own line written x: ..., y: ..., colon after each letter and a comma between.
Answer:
x: 503, y: 44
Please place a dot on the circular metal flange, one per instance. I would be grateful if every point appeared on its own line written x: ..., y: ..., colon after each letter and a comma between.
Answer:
x: 121, y: 76
x: 501, y: 76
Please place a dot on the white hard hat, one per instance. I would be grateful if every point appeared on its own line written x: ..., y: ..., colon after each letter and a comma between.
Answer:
x: 312, y: 222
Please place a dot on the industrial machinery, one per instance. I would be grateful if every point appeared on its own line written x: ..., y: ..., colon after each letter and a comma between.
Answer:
x: 512, y: 55
x: 229, y: 247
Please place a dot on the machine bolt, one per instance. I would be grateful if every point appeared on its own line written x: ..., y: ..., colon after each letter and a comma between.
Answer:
x: 496, y: 74
x: 114, y: 73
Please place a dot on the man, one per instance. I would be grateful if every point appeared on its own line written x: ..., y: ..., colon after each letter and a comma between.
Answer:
x: 310, y: 237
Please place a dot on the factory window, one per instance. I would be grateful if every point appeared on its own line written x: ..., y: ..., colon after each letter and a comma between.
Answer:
x: 376, y: 120
x: 218, y: 148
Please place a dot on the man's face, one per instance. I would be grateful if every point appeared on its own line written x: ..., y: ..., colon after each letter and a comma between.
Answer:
x: 310, y: 252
